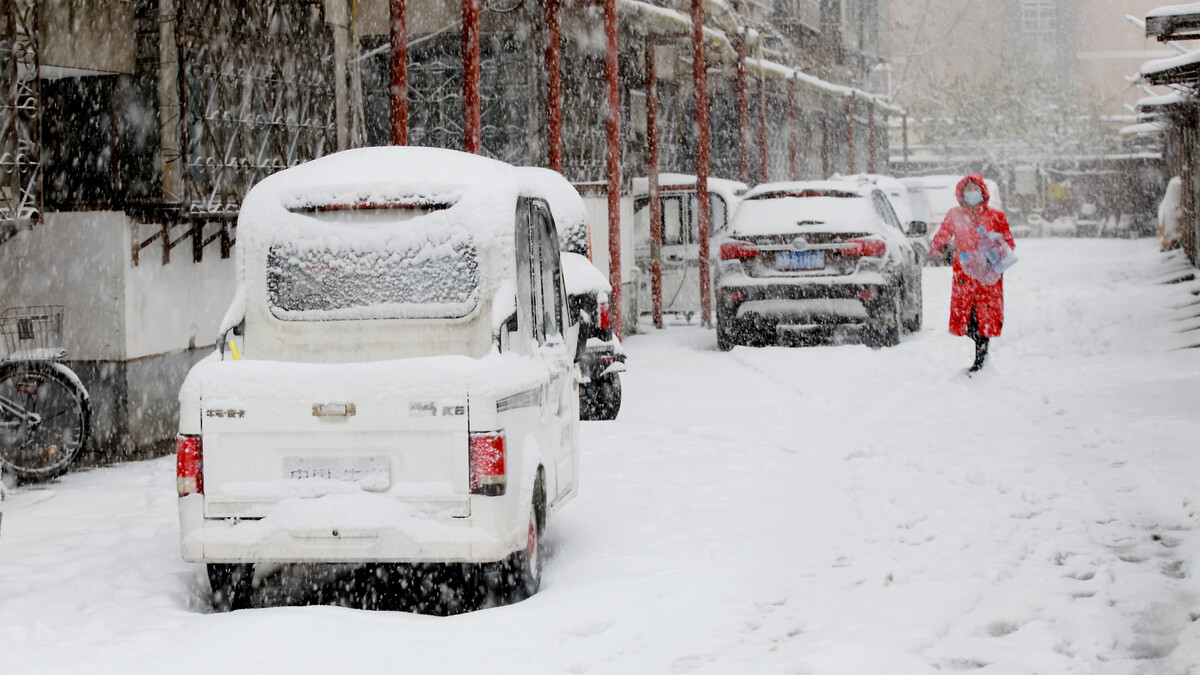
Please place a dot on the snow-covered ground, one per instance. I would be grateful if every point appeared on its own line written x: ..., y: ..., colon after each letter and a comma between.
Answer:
x: 811, y: 511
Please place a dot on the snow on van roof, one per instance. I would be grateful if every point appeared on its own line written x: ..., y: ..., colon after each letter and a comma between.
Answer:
x: 455, y: 188
x: 383, y: 210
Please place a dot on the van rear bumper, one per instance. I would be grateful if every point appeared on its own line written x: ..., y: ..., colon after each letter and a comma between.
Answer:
x: 418, y: 538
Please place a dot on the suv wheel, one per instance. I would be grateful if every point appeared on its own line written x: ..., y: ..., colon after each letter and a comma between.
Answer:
x: 884, y: 330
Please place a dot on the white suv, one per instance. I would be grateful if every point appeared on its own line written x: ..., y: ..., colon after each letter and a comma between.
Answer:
x: 397, y: 375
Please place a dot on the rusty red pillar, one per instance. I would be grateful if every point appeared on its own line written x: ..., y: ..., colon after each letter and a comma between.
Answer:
x: 826, y: 141
x: 872, y: 158
x: 743, y: 103
x: 700, y: 74
x: 398, y: 91
x: 793, y: 169
x: 554, y: 92
x: 472, y: 122
x: 652, y: 174
x: 850, y: 133
x: 613, y: 127
x: 762, y: 128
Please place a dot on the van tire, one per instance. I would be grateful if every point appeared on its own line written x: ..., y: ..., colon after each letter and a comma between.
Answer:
x: 231, y: 585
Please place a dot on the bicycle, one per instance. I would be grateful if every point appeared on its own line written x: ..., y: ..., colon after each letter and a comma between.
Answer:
x: 45, y: 413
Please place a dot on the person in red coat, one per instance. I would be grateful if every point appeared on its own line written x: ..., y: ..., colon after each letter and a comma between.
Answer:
x: 976, y: 307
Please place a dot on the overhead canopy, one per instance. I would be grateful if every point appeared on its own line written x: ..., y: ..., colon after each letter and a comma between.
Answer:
x: 1182, y: 69
x: 1174, y: 22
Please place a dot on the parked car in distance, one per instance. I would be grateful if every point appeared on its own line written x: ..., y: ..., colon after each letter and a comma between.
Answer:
x: 931, y: 197
x: 395, y: 376
x: 680, y: 237
x: 898, y: 194
x: 588, y: 294
x: 820, y: 258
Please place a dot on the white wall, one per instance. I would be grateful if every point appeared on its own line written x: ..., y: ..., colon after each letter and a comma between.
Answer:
x: 75, y: 260
x: 178, y: 305
x: 114, y: 311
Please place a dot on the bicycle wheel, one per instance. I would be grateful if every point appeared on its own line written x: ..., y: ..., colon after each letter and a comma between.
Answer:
x: 45, y: 419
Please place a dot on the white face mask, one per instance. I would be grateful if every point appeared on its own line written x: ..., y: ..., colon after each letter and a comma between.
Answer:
x: 973, y: 197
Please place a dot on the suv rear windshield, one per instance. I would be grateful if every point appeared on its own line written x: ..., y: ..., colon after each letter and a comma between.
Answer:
x: 432, y: 280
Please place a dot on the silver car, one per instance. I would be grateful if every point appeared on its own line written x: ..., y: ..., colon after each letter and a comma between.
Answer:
x: 820, y: 259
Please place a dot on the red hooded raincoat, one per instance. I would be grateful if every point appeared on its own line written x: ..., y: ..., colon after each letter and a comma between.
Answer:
x: 961, y: 228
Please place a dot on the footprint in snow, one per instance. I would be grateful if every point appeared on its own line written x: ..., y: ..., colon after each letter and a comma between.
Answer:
x: 591, y: 628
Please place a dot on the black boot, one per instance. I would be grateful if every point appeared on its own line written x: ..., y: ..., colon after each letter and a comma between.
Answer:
x: 981, y: 350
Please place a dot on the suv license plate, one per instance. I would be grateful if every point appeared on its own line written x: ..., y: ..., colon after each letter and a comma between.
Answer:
x: 800, y: 260
x: 374, y: 473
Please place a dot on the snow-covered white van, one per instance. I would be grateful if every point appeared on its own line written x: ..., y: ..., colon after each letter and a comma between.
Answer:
x: 396, y: 379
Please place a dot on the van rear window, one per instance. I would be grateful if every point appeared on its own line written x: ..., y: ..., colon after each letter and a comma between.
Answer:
x: 431, y: 281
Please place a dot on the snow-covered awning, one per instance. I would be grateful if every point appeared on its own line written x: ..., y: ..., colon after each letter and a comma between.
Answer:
x: 1182, y: 69
x: 1151, y: 102
x: 1174, y: 22
x: 1142, y: 128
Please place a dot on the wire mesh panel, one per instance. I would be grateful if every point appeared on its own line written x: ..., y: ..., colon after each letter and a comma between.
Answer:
x: 584, y: 109
x: 20, y: 114
x: 32, y: 332
x: 509, y: 99
x: 258, y: 90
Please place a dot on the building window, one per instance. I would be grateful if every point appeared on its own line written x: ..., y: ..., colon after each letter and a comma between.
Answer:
x: 1037, y: 17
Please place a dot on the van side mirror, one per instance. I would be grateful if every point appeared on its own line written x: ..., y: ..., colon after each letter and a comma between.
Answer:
x: 917, y: 228
x: 584, y: 328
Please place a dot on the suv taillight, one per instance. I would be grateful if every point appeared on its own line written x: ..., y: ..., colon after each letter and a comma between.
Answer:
x: 867, y: 247
x: 189, y: 465
x: 605, y: 312
x: 488, y: 474
x: 738, y: 250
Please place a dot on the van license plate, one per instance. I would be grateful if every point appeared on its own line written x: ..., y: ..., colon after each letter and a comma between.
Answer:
x: 800, y: 260
x: 375, y: 473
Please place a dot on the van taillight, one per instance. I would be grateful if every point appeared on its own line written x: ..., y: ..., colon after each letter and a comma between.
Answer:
x: 189, y: 465
x: 488, y: 475
x: 867, y: 247
x: 738, y: 250
x: 605, y: 312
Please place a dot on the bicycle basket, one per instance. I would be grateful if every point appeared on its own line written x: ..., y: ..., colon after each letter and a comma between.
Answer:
x: 32, y: 332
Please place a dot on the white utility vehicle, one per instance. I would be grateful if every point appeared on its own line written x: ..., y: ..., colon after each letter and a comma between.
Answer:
x: 396, y: 379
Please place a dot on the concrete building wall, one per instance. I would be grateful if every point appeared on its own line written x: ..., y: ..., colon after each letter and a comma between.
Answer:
x: 74, y: 260
x: 86, y: 35
x: 1111, y: 48
x: 935, y: 42
x: 132, y: 332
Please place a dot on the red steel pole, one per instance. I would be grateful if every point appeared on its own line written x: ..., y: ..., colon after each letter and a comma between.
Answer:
x: 872, y: 158
x: 700, y: 74
x: 399, y: 71
x: 793, y: 170
x: 613, y: 125
x: 652, y: 173
x: 743, y: 104
x: 850, y: 133
x: 762, y: 128
x: 554, y: 94
x: 826, y: 141
x: 472, y: 122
